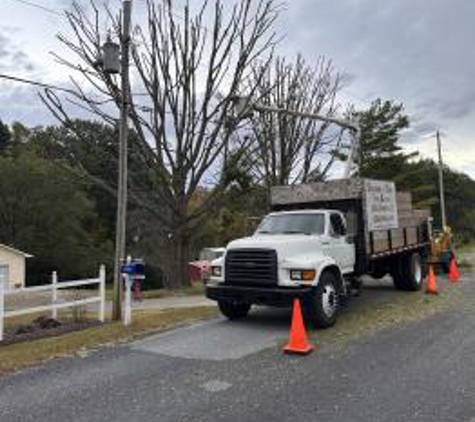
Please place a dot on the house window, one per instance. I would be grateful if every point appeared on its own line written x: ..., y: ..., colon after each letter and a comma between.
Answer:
x: 4, y: 274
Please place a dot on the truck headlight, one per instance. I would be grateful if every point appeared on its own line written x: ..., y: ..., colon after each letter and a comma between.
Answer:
x: 216, y: 270
x: 302, y: 275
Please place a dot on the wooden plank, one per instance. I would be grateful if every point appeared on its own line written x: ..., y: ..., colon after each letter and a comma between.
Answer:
x: 381, y: 245
x: 423, y: 214
x: 381, y: 239
x: 411, y: 235
x: 380, y: 235
x: 397, y: 238
x: 44, y: 308
x: 404, y: 201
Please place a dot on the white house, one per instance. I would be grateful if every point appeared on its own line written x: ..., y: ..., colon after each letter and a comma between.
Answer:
x: 13, y: 265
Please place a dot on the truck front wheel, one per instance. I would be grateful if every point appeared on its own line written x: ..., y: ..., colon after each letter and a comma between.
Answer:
x: 234, y: 310
x: 322, y: 307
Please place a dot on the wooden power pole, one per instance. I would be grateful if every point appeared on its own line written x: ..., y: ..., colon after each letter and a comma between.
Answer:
x: 443, y: 215
x: 122, y: 177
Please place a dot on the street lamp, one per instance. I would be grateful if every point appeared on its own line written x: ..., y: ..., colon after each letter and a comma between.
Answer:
x: 244, y: 108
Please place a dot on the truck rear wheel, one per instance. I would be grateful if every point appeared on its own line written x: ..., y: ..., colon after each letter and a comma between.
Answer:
x: 408, y: 273
x: 234, y: 310
x: 322, y: 308
x: 379, y: 274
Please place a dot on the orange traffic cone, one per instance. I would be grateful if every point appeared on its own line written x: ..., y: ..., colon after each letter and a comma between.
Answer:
x: 298, y: 342
x: 454, y: 275
x: 431, y: 287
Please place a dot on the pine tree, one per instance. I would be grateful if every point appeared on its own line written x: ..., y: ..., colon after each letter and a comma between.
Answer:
x: 380, y: 154
x: 5, y: 137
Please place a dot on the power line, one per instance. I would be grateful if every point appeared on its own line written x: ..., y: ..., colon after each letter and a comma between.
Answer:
x: 35, y: 83
x: 39, y: 6
x: 67, y: 90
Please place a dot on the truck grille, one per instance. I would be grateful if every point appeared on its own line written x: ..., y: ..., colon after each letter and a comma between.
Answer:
x: 251, y: 267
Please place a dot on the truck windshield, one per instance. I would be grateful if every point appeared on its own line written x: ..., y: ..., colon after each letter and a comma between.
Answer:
x: 292, y: 224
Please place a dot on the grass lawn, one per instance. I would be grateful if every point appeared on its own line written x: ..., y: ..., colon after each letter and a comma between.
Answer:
x: 18, y: 356
x: 403, y: 308
x: 196, y: 289
x: 466, y: 254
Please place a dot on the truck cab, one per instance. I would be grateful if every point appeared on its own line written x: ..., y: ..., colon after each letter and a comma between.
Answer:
x: 305, y: 254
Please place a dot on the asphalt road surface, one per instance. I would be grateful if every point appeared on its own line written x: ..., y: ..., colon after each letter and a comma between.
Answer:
x: 222, y: 371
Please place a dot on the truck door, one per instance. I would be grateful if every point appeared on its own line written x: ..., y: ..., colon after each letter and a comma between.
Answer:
x: 342, y: 251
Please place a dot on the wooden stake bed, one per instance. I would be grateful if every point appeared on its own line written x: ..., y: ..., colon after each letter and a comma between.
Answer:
x: 380, y: 230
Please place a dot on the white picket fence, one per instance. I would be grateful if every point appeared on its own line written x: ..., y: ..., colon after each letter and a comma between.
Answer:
x: 54, y: 287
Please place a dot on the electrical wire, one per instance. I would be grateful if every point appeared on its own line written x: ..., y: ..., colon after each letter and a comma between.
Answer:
x: 39, y: 6
x: 35, y: 83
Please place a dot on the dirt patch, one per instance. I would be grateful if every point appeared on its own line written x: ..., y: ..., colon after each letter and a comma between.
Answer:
x: 366, y: 317
x: 44, y: 327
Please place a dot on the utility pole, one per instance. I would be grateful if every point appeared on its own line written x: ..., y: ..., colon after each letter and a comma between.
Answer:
x: 122, y: 177
x: 441, y: 183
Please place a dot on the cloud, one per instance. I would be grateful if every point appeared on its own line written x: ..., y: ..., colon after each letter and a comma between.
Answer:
x: 457, y: 108
x: 415, y: 52
x: 347, y: 78
x: 11, y: 56
x: 21, y: 103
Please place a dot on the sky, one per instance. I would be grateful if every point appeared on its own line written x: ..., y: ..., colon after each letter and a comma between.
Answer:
x: 417, y: 52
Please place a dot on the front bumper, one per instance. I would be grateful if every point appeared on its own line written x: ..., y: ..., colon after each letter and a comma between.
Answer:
x: 272, y: 296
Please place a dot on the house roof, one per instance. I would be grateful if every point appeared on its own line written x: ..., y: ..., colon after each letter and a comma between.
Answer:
x: 15, y: 251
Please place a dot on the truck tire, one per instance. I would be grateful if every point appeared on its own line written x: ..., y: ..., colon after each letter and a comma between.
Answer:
x: 322, y: 307
x: 379, y: 274
x: 397, y: 273
x: 408, y: 272
x: 234, y: 310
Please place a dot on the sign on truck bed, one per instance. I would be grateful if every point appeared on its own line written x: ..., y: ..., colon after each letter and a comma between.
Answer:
x: 381, y: 205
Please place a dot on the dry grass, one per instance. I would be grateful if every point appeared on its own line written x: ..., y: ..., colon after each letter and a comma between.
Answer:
x: 466, y: 256
x: 402, y: 309
x: 22, y: 355
x: 196, y: 289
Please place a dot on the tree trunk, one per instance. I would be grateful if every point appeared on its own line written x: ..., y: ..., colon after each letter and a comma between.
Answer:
x: 181, y: 252
x: 180, y: 246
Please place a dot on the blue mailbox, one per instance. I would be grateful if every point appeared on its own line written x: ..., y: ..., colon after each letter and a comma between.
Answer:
x: 133, y: 268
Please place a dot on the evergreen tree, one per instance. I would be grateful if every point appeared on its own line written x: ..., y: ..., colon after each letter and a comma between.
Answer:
x: 5, y: 137
x: 45, y: 212
x: 380, y: 155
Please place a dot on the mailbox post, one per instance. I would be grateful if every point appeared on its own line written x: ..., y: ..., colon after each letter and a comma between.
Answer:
x: 131, y: 270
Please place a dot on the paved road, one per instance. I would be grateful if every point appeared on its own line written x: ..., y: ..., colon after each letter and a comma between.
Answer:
x: 221, y: 371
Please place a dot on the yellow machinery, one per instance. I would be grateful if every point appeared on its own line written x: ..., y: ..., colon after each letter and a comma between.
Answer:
x: 442, y: 248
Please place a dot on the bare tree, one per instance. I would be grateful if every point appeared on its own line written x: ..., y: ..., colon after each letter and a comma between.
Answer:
x: 290, y: 149
x: 188, y: 67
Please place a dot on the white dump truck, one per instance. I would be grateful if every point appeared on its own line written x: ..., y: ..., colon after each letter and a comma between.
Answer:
x: 317, y: 243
